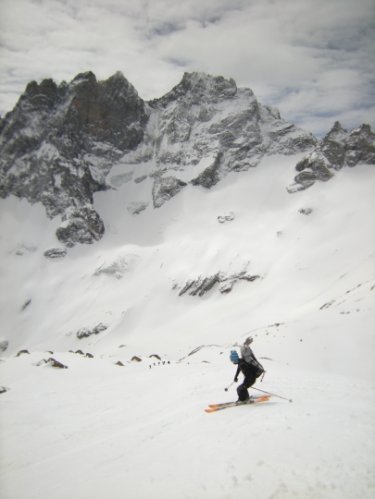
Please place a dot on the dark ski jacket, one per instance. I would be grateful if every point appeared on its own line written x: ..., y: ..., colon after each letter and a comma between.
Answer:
x: 253, y: 370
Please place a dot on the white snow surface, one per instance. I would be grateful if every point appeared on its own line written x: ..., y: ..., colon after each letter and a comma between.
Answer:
x: 98, y: 429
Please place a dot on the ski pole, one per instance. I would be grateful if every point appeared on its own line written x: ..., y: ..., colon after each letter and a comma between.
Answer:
x: 272, y: 394
x: 227, y: 388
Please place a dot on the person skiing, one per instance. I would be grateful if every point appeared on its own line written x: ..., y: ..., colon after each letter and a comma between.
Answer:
x: 249, y: 366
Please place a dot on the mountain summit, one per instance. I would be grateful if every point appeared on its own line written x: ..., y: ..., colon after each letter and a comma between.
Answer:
x: 61, y: 143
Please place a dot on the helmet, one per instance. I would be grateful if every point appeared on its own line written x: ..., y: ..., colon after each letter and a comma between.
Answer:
x: 234, y: 357
x: 248, y: 340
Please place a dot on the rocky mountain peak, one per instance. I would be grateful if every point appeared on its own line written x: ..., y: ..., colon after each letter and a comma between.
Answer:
x: 338, y: 149
x: 199, y: 88
x: 118, y: 80
x: 205, y: 85
x: 364, y: 132
x: 60, y: 143
x: 47, y: 88
x: 217, y: 124
x: 337, y: 133
x: 82, y: 78
x: 108, y: 111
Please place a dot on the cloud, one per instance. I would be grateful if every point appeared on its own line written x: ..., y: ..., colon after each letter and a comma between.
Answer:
x: 311, y: 58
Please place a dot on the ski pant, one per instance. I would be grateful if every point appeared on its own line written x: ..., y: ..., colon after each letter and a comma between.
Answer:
x: 242, y: 392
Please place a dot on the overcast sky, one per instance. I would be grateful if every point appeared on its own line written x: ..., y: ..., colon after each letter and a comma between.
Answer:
x: 313, y: 59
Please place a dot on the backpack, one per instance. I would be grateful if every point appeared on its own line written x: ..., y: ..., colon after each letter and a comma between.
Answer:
x: 249, y: 358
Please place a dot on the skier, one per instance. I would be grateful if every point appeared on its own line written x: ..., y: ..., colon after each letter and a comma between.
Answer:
x: 249, y: 366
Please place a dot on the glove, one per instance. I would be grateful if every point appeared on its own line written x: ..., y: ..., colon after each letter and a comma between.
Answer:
x: 235, y: 380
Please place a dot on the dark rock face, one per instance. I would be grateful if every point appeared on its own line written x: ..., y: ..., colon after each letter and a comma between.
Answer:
x: 73, y: 116
x: 53, y: 363
x: 333, y: 145
x: 165, y: 188
x: 135, y: 358
x: 56, y: 363
x: 338, y: 149
x: 344, y: 148
x: 110, y: 111
x: 201, y: 285
x: 314, y: 167
x: 55, y: 253
x: 59, y: 142
x: 210, y: 176
x: 85, y: 332
x: 80, y: 226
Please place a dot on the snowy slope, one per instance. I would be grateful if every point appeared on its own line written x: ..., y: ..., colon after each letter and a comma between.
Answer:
x: 139, y: 430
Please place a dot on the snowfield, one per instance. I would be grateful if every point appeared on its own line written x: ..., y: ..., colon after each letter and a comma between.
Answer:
x: 138, y: 429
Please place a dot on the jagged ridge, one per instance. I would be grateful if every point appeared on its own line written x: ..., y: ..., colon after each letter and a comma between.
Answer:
x: 59, y: 143
x: 339, y: 148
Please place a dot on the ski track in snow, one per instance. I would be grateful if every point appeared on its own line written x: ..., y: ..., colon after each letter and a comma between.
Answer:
x: 139, y: 430
x: 90, y: 429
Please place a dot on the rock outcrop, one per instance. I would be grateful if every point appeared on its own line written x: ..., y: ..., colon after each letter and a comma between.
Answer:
x: 86, y: 332
x: 203, y: 284
x: 338, y: 149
